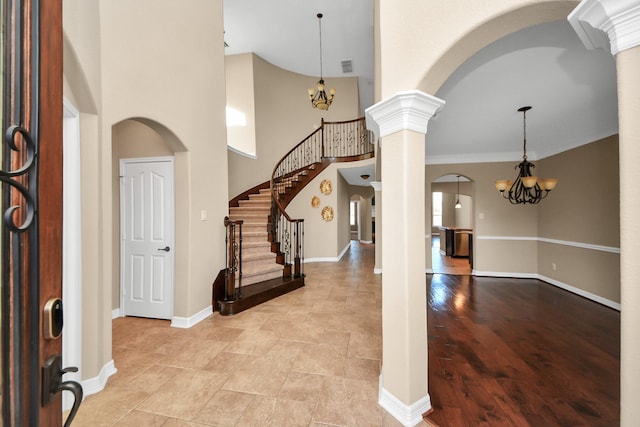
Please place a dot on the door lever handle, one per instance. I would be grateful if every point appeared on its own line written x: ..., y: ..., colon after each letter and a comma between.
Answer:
x: 166, y: 249
x: 52, y: 384
x: 76, y: 389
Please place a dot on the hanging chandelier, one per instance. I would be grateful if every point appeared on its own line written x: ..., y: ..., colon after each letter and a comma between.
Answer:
x: 458, y: 204
x: 319, y: 98
x: 527, y: 188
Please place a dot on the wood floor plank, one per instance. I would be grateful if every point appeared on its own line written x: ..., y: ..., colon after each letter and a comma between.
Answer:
x: 518, y: 352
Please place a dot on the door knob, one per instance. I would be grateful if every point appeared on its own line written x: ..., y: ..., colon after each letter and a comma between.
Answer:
x: 165, y: 249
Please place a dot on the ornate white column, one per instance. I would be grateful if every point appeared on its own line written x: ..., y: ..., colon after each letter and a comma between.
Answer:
x: 615, y: 25
x: 401, y: 123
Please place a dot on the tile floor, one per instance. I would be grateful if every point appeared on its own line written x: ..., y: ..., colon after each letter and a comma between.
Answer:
x: 308, y: 358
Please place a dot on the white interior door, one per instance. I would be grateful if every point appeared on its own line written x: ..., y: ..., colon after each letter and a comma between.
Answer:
x: 147, y: 228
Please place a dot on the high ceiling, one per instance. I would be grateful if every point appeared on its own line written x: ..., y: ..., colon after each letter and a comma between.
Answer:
x: 572, y: 90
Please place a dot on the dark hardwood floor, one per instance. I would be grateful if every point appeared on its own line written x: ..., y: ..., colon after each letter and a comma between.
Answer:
x: 520, y: 352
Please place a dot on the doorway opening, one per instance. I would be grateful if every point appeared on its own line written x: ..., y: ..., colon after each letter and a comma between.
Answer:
x: 452, y: 225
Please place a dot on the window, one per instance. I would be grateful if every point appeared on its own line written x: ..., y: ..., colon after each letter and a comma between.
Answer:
x: 437, y: 209
x: 353, y: 212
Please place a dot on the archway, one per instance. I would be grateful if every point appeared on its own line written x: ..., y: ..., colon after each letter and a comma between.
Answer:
x: 134, y: 138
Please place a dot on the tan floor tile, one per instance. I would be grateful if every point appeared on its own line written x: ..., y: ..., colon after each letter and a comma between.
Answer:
x: 105, y: 408
x: 302, y: 386
x: 336, y: 338
x: 342, y: 389
x: 225, y: 408
x: 153, y: 378
x: 263, y: 375
x: 362, y: 369
x: 365, y: 345
x: 253, y: 341
x: 227, y: 362
x: 274, y: 412
x: 193, y: 353
x: 181, y: 423
x: 139, y: 419
x: 184, y: 394
x: 349, y: 413
x: 320, y: 359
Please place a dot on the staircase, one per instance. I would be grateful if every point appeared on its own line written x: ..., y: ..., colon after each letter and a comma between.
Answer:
x: 258, y: 261
x: 265, y: 247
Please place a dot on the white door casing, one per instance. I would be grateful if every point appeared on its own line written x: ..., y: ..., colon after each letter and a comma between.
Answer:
x: 71, y: 248
x: 147, y: 233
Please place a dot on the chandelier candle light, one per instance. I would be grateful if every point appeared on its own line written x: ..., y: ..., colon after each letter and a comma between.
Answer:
x: 527, y: 188
x: 319, y: 98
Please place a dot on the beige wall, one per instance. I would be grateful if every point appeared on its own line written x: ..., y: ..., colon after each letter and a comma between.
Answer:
x: 450, y: 32
x: 128, y: 60
x: 239, y: 86
x: 325, y: 241
x: 583, y: 211
x: 284, y: 117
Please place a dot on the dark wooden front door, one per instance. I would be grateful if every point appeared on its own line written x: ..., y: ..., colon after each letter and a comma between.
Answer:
x: 31, y: 229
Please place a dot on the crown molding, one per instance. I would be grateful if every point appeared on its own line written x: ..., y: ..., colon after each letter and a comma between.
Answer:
x: 608, y: 24
x: 410, y: 110
x: 377, y: 185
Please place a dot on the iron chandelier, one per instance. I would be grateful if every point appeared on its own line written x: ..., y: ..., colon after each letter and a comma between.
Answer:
x: 319, y: 98
x: 527, y: 188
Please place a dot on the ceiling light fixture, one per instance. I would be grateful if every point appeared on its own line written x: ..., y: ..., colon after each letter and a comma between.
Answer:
x: 458, y: 205
x: 319, y: 98
x: 527, y: 188
x: 365, y: 176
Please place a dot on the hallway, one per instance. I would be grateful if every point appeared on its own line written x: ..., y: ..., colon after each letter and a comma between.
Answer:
x: 308, y: 358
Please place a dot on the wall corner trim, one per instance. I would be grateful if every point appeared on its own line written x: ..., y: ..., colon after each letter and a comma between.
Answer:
x: 407, y: 415
x: 409, y: 110
x: 187, y: 322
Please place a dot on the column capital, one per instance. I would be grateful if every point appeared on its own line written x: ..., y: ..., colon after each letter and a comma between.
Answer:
x: 609, y: 24
x: 410, y: 110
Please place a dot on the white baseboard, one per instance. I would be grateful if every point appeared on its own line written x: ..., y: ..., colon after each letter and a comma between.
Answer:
x: 557, y: 283
x: 366, y: 241
x: 377, y: 271
x: 96, y: 384
x: 187, y: 322
x: 428, y: 270
x: 329, y: 259
x: 581, y: 292
x: 407, y: 415
x: 115, y: 313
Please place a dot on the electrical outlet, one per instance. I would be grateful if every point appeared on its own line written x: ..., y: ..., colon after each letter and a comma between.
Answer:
x: 553, y: 266
x: 203, y: 215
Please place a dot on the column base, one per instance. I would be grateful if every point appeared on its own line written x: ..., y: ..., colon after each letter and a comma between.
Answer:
x: 407, y: 415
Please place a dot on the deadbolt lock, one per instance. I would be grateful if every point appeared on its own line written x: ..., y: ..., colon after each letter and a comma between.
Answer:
x: 52, y: 327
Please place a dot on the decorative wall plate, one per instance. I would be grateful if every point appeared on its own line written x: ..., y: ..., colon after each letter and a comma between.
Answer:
x: 325, y: 186
x: 315, y: 201
x: 327, y: 213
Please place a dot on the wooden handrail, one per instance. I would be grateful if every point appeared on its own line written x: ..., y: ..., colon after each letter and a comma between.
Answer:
x: 332, y: 141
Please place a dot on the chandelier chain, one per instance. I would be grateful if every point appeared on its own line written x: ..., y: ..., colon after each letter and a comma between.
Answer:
x: 320, y: 32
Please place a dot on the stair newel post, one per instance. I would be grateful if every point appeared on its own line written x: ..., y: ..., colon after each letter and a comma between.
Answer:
x: 322, y: 136
x: 240, y: 260
x: 230, y: 274
x: 297, y: 268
